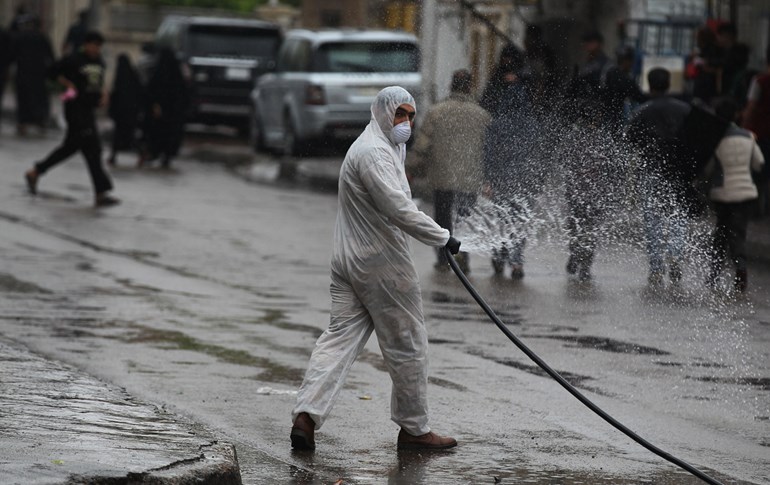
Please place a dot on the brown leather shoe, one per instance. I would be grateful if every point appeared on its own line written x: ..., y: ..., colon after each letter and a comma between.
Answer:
x: 427, y: 441
x: 302, y: 433
x: 31, y: 177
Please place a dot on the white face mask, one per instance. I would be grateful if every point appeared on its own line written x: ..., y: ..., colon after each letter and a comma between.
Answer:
x: 401, y: 133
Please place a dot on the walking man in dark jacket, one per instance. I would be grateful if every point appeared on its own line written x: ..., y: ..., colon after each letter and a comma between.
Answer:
x: 666, y: 175
x: 82, y: 75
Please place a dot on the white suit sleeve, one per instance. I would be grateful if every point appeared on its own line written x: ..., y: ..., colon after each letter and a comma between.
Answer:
x: 382, y: 183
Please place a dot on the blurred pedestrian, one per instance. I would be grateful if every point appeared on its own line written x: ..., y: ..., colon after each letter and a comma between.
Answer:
x: 509, y: 174
x: 592, y: 182
x: 509, y: 69
x: 166, y: 98
x: 620, y: 87
x: 703, y: 68
x: 82, y: 76
x: 447, y: 152
x: 733, y: 193
x: 126, y: 102
x: 6, y: 59
x: 757, y: 119
x: 76, y: 34
x: 375, y: 287
x: 33, y: 55
x: 20, y: 15
x: 541, y: 66
x: 586, y: 90
x: 735, y: 56
x: 666, y: 177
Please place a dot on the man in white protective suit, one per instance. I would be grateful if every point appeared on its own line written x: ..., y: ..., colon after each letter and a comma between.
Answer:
x: 374, y: 282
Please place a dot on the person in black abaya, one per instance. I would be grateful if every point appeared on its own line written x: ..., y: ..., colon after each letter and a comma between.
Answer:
x: 510, y: 68
x: 5, y: 60
x: 126, y: 103
x: 33, y: 55
x: 166, y: 106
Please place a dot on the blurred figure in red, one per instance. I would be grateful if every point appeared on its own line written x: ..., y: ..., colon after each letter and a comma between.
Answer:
x: 756, y: 118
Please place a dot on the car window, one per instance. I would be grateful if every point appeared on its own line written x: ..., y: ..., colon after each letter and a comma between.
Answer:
x: 302, y: 56
x: 284, y: 55
x: 367, y: 57
x: 165, y: 34
x: 231, y: 41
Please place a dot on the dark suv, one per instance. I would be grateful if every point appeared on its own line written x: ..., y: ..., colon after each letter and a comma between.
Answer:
x: 222, y: 57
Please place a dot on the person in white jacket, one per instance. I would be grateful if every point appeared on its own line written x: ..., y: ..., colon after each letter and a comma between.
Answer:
x: 374, y: 285
x: 733, y: 193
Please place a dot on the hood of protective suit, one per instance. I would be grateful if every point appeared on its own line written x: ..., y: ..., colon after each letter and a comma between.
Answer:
x: 384, y: 108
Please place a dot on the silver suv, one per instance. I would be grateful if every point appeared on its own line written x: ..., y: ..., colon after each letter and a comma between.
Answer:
x: 324, y: 84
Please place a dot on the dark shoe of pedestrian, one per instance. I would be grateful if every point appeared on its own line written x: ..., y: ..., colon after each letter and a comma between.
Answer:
x: 441, y: 266
x: 517, y: 271
x: 498, y: 266
x: 302, y: 433
x: 741, y: 281
x: 427, y: 441
x: 572, y: 265
x: 584, y: 274
x: 463, y: 260
x: 655, y: 280
x: 31, y: 177
x: 105, y: 200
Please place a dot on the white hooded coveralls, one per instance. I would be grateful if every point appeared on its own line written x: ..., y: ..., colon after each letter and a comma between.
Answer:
x: 374, y: 282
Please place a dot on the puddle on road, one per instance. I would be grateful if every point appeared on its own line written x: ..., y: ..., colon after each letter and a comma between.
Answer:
x: 175, y: 340
x: 447, y: 384
x: 576, y: 380
x: 604, y: 344
x: 711, y: 365
x: 457, y: 466
x: 761, y: 383
x: 11, y: 284
x: 278, y: 319
x: 464, y: 309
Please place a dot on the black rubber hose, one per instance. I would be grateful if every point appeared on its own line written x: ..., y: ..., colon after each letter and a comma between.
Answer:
x: 566, y: 385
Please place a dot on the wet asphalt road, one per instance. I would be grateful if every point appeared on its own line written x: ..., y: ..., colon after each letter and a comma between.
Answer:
x: 204, y: 293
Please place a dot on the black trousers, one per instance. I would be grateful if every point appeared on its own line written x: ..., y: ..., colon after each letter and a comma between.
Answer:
x: 446, y: 203
x: 81, y: 136
x: 730, y: 234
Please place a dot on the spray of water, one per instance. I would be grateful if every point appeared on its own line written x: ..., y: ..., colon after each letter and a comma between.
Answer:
x: 571, y: 183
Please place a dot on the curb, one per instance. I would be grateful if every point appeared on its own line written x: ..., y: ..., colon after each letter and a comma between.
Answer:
x: 217, y: 464
x: 64, y: 426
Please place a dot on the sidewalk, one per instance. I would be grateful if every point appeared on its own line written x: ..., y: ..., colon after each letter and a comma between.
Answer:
x: 61, y: 426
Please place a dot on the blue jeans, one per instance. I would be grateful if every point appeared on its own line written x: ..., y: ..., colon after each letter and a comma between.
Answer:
x: 665, y: 230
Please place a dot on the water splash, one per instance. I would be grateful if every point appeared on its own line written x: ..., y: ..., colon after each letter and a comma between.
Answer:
x: 557, y: 165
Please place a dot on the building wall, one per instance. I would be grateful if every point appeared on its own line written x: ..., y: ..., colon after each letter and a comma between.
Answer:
x: 380, y: 14
x: 333, y: 13
x: 452, y: 39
